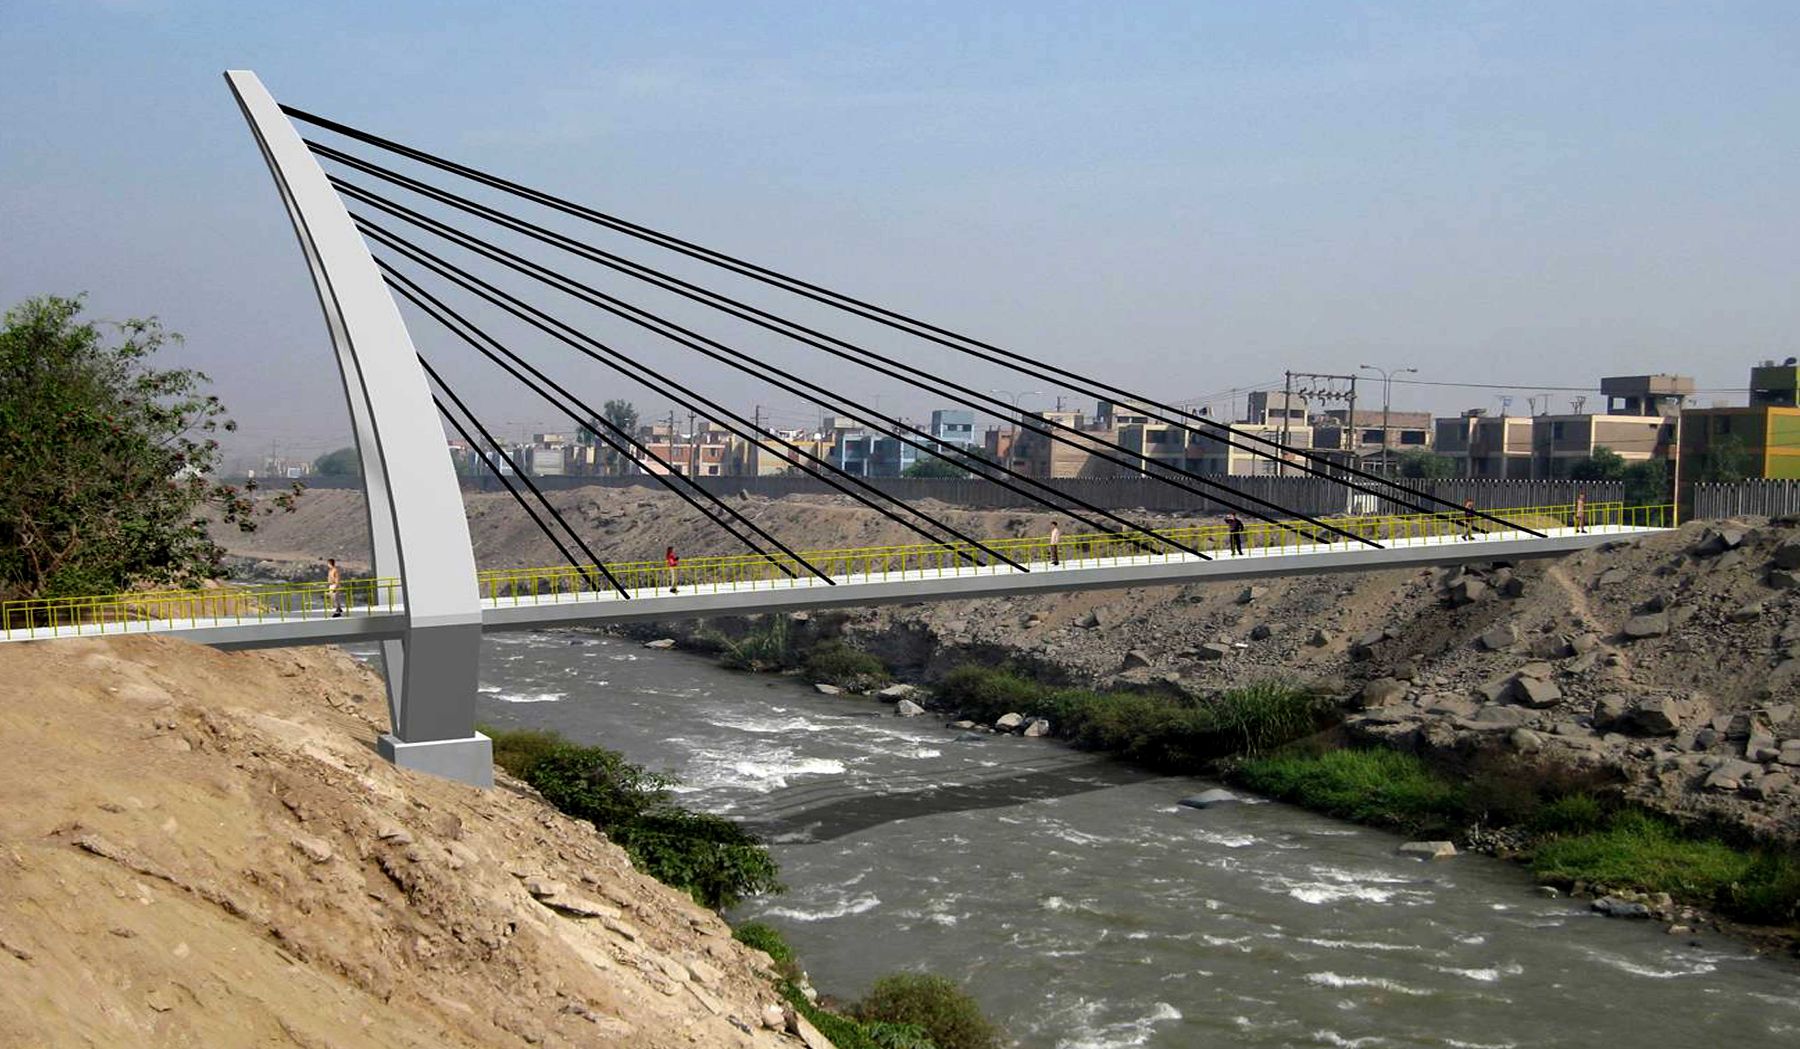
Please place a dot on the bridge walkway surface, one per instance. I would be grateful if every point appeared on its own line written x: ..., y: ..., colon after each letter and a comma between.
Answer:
x: 529, y: 598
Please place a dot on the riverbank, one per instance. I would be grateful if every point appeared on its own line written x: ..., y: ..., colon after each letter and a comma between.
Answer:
x: 202, y: 848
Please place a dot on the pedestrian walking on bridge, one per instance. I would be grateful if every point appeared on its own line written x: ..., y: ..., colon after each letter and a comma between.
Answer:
x: 334, y: 587
x: 674, y: 563
x: 1468, y: 519
x: 1581, y: 511
x: 1234, y: 526
x: 1055, y: 543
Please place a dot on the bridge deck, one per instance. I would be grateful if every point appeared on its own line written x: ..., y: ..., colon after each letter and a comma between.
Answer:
x: 232, y: 619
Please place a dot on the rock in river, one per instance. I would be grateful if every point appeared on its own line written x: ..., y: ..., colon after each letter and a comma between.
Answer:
x: 1206, y: 799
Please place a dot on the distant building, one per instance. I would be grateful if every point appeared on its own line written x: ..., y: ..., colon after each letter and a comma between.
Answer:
x: 873, y: 455
x: 1037, y: 454
x: 1361, y: 434
x: 1646, y: 395
x: 1276, y: 406
x: 953, y: 427
x: 1483, y: 445
x: 1767, y: 434
x: 1775, y: 385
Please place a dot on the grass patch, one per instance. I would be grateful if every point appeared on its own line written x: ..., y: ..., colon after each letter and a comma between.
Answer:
x: 711, y: 858
x: 836, y: 663
x: 1166, y: 732
x: 768, y: 645
x: 1647, y: 853
x: 1383, y: 787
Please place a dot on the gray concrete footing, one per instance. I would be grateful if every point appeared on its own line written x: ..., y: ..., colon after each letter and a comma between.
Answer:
x: 469, y: 760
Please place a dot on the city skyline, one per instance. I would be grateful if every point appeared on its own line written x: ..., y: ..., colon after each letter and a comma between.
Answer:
x: 1200, y: 195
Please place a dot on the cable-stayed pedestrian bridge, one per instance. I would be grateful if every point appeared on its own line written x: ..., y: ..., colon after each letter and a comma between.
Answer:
x: 521, y: 292
x: 565, y: 595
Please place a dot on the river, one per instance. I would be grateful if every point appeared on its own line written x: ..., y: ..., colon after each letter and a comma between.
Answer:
x: 1086, y: 910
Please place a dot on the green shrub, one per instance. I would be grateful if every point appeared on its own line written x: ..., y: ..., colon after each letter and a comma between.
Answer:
x: 516, y: 749
x: 1258, y: 718
x: 709, y: 857
x: 713, y: 859
x: 767, y: 939
x: 947, y: 1013
x: 835, y: 663
x: 767, y: 645
x: 850, y: 1033
x: 1381, y: 787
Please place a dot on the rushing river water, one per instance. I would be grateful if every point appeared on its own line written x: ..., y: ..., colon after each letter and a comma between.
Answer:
x: 1086, y: 910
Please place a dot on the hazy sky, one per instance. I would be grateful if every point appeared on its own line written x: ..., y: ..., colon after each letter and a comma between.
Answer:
x: 1179, y: 197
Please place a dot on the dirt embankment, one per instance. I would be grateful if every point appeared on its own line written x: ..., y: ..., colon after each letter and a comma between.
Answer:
x: 202, y: 848
x: 1671, y: 660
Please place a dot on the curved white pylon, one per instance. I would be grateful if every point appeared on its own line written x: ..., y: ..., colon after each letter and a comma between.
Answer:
x: 416, y: 520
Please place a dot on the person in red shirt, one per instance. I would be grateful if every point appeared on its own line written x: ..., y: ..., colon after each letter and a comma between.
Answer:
x: 673, y: 562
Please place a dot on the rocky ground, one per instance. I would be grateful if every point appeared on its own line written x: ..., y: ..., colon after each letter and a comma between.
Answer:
x: 1671, y: 660
x: 202, y: 848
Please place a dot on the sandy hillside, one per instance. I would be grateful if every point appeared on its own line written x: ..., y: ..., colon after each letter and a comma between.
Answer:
x: 203, y: 849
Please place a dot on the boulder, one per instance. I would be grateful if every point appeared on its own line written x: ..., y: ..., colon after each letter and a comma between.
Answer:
x: 1613, y: 907
x: 1650, y: 624
x: 1428, y: 850
x: 1761, y: 748
x: 1582, y: 644
x: 1730, y: 776
x: 1262, y: 632
x: 1212, y: 651
x: 1790, y: 752
x: 1009, y: 722
x: 1652, y: 716
x: 969, y: 737
x: 1535, y: 692
x: 1381, y: 692
x: 1768, y: 785
x: 827, y: 690
x: 906, y: 708
x: 1787, y: 555
x: 1500, y: 717
x: 1525, y: 741
x: 1784, y: 579
x: 1091, y: 621
x: 1512, y: 586
x: 1207, y: 799
x: 1467, y: 591
x: 1538, y: 670
x: 1251, y: 593
x: 1319, y: 639
x: 1500, y: 638
x: 896, y: 693
x: 1135, y: 658
x: 1036, y: 727
x: 661, y: 643
x: 1718, y: 540
x: 1749, y: 613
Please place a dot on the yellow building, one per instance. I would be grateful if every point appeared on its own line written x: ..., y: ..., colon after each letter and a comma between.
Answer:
x: 1767, y: 434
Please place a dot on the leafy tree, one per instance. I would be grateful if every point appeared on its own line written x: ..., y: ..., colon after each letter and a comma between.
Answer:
x: 342, y: 463
x: 933, y: 466
x: 1725, y: 460
x: 1603, y: 465
x: 622, y: 414
x: 949, y: 1016
x: 1647, y: 483
x: 1425, y: 464
x: 107, y: 460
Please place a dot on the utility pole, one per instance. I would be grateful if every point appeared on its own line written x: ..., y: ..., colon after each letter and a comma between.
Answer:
x: 1387, y: 389
x: 692, y: 439
x: 669, y: 440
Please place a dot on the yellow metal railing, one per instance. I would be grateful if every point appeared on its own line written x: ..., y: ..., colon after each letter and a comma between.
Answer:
x: 710, y: 574
x: 137, y: 609
x: 1259, y: 538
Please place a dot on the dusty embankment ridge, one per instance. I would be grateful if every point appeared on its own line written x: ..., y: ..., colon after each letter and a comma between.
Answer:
x: 202, y: 848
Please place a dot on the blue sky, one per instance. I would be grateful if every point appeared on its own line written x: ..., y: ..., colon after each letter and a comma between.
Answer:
x: 1183, y: 197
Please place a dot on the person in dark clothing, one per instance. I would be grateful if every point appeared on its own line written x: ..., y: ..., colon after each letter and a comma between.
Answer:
x: 1234, y: 525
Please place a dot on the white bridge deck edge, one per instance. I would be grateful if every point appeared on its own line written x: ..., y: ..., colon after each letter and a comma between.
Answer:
x: 961, y: 583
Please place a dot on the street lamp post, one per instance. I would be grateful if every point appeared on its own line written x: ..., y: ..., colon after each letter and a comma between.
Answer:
x: 1387, y: 389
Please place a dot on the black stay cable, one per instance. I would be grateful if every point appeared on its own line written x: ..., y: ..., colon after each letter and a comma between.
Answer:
x: 516, y: 366
x: 1083, y: 440
x: 613, y: 359
x: 891, y: 318
x: 898, y: 429
x: 482, y: 450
